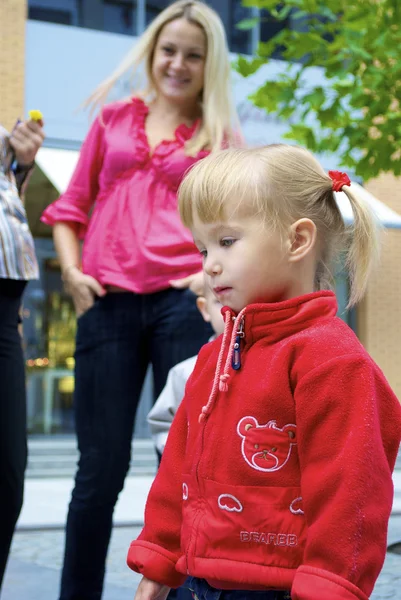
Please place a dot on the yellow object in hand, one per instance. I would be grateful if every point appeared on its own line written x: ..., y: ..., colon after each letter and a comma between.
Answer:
x: 35, y: 115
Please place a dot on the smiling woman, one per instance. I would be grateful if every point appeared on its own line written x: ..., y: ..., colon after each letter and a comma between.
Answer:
x: 179, y: 60
x: 178, y: 69
x: 133, y: 288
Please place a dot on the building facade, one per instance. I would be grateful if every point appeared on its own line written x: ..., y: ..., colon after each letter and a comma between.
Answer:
x: 53, y: 53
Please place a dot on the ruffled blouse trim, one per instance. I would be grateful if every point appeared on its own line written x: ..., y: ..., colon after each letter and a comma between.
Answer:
x: 182, y: 133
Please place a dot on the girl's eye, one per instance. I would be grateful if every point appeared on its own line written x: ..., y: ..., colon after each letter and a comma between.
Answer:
x: 195, y: 56
x: 168, y: 50
x: 203, y: 253
x: 227, y: 242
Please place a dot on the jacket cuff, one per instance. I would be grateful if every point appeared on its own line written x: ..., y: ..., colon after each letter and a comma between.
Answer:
x: 311, y: 583
x: 155, y: 563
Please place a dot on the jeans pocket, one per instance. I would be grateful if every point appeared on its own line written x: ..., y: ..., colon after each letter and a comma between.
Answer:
x: 87, y: 311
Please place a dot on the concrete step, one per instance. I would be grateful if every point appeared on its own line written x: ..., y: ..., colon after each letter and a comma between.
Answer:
x: 51, y: 456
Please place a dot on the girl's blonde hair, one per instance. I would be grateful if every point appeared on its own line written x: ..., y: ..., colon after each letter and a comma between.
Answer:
x: 281, y: 184
x: 220, y: 122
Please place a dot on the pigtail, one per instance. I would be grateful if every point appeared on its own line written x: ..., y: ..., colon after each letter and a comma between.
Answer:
x: 364, y: 247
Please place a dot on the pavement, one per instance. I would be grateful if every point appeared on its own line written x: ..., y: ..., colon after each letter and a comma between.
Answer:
x: 36, y: 556
x: 46, y: 502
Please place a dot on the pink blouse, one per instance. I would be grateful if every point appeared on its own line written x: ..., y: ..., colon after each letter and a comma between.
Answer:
x: 134, y: 237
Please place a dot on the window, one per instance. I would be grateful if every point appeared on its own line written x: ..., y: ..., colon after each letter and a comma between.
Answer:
x: 239, y: 40
x: 153, y: 8
x: 115, y: 16
x: 119, y: 16
x: 63, y: 12
x: 131, y: 17
x: 50, y: 15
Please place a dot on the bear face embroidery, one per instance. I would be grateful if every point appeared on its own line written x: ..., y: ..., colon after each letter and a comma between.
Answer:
x: 266, y: 447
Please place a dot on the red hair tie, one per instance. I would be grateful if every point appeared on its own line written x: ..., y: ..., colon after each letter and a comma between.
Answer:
x: 339, y: 179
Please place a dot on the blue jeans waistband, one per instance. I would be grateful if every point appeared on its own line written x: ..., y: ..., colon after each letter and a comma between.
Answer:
x: 201, y: 590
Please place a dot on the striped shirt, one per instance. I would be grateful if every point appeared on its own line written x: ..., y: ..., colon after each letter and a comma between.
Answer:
x: 17, y: 250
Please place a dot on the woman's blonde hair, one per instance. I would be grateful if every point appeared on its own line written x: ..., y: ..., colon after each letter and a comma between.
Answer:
x: 220, y: 123
x: 281, y: 184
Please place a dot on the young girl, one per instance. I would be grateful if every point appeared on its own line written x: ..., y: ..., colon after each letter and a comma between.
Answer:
x: 133, y: 288
x: 276, y: 477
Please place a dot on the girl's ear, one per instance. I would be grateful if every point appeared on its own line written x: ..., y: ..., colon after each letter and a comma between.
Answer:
x: 303, y: 235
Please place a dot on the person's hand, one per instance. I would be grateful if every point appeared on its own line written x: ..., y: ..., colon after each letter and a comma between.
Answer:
x: 25, y: 139
x: 150, y: 590
x: 83, y: 289
x: 195, y: 283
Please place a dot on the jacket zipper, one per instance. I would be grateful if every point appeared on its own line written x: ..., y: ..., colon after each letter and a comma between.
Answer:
x: 236, y: 359
x: 236, y: 364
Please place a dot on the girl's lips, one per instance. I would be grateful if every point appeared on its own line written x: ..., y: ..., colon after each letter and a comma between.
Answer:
x: 222, y: 290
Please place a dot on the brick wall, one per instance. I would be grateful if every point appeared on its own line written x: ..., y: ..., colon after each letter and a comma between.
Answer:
x: 12, y: 60
x: 379, y: 315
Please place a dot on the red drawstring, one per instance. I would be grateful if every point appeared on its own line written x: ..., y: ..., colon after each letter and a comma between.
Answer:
x: 221, y: 381
x: 205, y: 409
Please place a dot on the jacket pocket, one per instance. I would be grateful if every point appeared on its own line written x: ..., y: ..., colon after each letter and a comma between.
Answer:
x: 262, y: 525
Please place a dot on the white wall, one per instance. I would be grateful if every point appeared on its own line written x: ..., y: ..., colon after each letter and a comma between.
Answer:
x: 64, y: 64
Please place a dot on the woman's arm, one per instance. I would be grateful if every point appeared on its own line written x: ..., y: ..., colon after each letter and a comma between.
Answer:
x: 83, y: 288
x: 69, y: 216
x: 74, y: 205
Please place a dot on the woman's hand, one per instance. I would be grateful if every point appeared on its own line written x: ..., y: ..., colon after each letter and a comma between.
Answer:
x: 195, y: 283
x: 83, y: 289
x: 25, y: 139
x: 150, y: 590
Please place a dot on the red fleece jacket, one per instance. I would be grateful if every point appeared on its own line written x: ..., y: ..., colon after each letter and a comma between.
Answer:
x: 286, y: 481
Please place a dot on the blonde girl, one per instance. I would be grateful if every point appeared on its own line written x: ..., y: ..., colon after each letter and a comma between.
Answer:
x: 283, y: 448
x: 133, y: 287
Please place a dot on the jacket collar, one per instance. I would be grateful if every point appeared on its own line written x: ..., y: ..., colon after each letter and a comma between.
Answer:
x: 272, y: 322
x: 277, y: 320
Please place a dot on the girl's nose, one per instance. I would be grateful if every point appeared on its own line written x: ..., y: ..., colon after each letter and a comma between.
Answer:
x: 211, y: 267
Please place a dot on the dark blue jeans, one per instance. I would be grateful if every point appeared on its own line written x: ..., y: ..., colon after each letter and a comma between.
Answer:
x: 116, y: 340
x: 13, y: 450
x: 203, y: 591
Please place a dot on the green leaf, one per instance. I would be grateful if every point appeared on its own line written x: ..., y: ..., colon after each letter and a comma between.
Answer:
x: 246, y: 24
x: 302, y: 134
x: 316, y: 98
x: 281, y: 12
x: 356, y: 46
x: 246, y: 66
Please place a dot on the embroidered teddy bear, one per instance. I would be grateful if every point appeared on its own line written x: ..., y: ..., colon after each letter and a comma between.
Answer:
x: 266, y: 447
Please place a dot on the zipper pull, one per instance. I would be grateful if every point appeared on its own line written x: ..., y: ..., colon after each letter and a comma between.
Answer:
x: 236, y: 359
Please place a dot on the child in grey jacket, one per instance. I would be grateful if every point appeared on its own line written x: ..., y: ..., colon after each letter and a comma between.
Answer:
x: 162, y: 414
